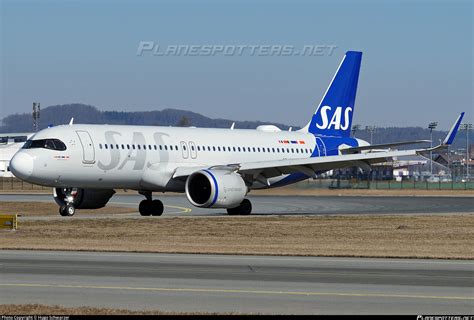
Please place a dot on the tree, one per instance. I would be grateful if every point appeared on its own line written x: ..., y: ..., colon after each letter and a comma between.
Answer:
x: 184, y: 122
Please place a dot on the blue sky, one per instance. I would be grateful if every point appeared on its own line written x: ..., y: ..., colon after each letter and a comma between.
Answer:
x: 417, y: 64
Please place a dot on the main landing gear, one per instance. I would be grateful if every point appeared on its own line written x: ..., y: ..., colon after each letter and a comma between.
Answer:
x: 244, y: 209
x: 149, y: 207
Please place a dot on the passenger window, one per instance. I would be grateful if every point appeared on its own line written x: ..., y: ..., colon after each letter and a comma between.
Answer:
x: 218, y: 148
x: 100, y: 145
x: 234, y: 149
x: 161, y: 147
x: 154, y: 146
x: 138, y: 146
x: 273, y: 150
x: 133, y: 146
x: 214, y: 148
x: 166, y: 148
x: 105, y: 145
x: 128, y: 146
x: 238, y: 148
x: 117, y: 146
x: 111, y: 146
x: 123, y: 147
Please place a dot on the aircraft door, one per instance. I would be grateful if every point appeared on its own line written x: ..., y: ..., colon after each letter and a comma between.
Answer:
x: 192, y: 146
x: 87, y: 147
x: 321, y: 147
x: 184, y: 149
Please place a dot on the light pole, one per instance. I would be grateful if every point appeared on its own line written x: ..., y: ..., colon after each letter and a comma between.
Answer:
x: 36, y: 115
x: 467, y: 127
x: 354, y: 129
x: 431, y: 126
x: 371, y: 130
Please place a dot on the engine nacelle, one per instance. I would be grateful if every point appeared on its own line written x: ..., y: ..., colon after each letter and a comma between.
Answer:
x: 215, y: 189
x: 83, y: 198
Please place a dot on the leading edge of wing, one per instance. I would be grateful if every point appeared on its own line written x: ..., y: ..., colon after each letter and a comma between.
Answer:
x: 313, y: 162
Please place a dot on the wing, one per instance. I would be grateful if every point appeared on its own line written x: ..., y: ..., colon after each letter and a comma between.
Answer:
x: 262, y: 170
x: 380, y: 146
x: 311, y: 166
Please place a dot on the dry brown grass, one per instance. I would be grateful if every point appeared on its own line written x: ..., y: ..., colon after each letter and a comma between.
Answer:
x: 28, y: 209
x: 436, y: 236
x: 41, y: 309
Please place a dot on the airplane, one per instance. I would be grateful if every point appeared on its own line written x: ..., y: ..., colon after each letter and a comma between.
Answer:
x: 215, y: 168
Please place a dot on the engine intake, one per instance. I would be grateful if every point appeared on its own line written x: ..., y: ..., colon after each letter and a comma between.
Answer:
x: 215, y: 189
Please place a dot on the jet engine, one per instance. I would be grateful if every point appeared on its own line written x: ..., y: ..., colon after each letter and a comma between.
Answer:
x: 215, y: 189
x: 82, y: 198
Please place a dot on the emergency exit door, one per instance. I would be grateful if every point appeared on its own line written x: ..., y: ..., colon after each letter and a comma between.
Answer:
x: 87, y: 147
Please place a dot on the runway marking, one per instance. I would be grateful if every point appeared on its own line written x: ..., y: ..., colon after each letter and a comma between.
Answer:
x: 184, y: 209
x: 210, y: 290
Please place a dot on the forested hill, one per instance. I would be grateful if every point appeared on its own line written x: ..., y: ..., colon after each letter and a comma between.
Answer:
x: 62, y: 114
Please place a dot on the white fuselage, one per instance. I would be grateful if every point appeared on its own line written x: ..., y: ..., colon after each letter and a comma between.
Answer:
x: 146, y: 157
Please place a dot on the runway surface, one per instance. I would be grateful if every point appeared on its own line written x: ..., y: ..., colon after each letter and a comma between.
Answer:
x: 244, y: 284
x: 290, y: 205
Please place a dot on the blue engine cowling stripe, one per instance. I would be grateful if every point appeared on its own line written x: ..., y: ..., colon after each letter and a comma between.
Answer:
x: 217, y: 188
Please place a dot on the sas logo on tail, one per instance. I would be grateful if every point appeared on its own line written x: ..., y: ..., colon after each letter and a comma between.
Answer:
x: 335, y: 122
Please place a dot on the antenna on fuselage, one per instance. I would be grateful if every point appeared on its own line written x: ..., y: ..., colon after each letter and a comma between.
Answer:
x: 232, y: 126
x: 290, y: 128
x: 72, y: 121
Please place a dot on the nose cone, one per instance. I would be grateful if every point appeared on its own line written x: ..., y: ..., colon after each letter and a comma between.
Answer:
x: 21, y: 165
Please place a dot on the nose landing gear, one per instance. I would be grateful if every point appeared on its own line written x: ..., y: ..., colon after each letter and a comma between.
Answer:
x: 149, y: 207
x: 67, y: 210
x: 68, y: 198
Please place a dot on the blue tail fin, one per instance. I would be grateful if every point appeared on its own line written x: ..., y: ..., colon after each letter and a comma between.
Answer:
x: 333, y: 117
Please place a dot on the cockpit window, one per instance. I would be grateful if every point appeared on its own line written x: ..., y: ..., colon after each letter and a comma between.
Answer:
x: 52, y: 144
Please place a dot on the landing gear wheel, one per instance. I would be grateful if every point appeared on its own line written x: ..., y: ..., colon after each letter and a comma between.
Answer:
x: 69, y: 210
x: 157, y: 208
x: 145, y: 207
x: 62, y: 211
x: 233, y: 211
x: 244, y: 209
